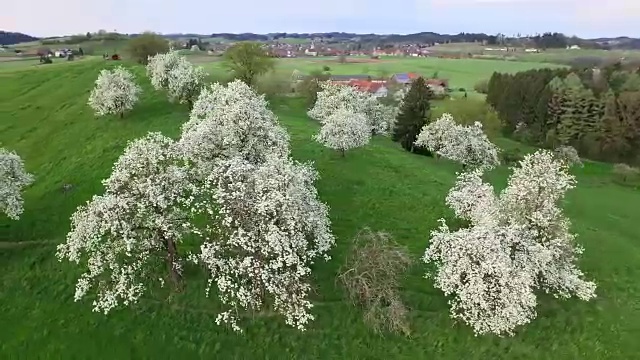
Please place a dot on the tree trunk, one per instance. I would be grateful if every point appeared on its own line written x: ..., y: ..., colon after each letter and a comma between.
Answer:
x: 121, y: 115
x: 342, y: 152
x: 190, y: 104
x: 172, y: 254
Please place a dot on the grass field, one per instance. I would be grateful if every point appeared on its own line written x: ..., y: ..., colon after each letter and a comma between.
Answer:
x: 460, y: 72
x: 44, y: 117
x: 548, y: 56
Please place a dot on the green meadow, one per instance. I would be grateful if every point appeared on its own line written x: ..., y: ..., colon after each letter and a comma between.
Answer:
x: 45, y: 119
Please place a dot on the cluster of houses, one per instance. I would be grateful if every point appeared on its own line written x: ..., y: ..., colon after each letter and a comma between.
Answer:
x: 312, y: 49
x: 287, y: 50
x: 59, y: 53
x: 380, y: 87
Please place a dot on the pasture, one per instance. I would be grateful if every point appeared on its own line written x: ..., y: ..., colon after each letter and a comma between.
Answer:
x: 44, y: 118
x: 557, y: 56
x: 460, y: 72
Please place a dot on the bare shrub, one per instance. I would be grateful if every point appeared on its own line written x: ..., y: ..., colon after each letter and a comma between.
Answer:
x: 371, y: 277
x: 568, y: 154
x: 626, y: 175
x: 482, y: 86
x: 273, y: 85
x: 147, y: 44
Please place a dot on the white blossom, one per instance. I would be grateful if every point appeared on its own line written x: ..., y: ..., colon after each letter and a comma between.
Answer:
x: 13, y: 179
x: 185, y: 81
x: 344, y: 130
x: 271, y: 228
x: 333, y: 97
x: 115, y: 92
x: 400, y: 94
x: 493, y: 290
x: 159, y: 67
x: 531, y: 199
x: 516, y: 243
x: 468, y: 145
x: 568, y: 154
x: 126, y: 234
x: 229, y: 121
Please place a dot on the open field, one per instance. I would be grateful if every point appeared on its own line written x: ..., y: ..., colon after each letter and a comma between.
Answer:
x: 46, y: 120
x: 93, y: 47
x: 460, y: 72
x: 33, y: 63
x: 547, y: 56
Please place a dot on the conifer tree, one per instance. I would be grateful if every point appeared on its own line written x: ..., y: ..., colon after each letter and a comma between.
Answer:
x: 629, y: 110
x: 557, y: 88
x: 413, y: 115
x: 612, y: 142
x: 570, y: 120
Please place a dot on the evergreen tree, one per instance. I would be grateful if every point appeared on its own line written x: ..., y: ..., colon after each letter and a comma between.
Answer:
x: 629, y: 110
x: 494, y: 89
x: 413, y: 114
x: 613, y: 142
x: 589, y: 107
x: 556, y: 103
x: 569, y: 127
x: 543, y: 114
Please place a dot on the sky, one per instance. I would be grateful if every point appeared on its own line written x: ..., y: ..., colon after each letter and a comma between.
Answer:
x: 584, y: 18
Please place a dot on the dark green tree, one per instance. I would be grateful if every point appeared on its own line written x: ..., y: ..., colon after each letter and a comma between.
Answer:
x: 248, y: 60
x: 145, y: 45
x: 413, y: 115
x: 613, y: 143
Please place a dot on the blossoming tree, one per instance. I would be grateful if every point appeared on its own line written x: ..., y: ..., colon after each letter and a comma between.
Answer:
x: 568, y: 154
x: 516, y: 243
x: 333, y: 97
x: 159, y: 67
x: 271, y: 228
x: 125, y: 235
x: 184, y: 82
x: 115, y: 92
x: 229, y: 121
x: 175, y: 74
x: 13, y: 179
x: 344, y: 130
x: 468, y: 145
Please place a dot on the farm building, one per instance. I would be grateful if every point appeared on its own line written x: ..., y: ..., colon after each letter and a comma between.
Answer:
x: 347, y: 78
x: 404, y: 78
x: 377, y: 89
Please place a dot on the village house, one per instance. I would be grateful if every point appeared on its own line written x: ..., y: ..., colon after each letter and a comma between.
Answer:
x: 347, y: 78
x: 404, y: 78
x: 375, y: 88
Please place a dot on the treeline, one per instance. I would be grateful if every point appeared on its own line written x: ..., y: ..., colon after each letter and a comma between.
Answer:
x: 78, y: 39
x: 10, y: 38
x: 423, y: 37
x: 597, y: 111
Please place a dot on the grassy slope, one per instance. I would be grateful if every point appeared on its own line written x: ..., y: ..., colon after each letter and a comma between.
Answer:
x: 44, y: 117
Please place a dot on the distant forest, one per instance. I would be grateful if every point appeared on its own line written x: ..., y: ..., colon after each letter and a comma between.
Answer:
x: 545, y: 41
x: 10, y: 38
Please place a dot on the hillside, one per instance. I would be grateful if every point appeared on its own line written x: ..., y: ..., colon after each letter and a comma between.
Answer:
x: 45, y: 119
x: 10, y: 38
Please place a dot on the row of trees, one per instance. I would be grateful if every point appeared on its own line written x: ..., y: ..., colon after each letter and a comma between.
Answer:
x: 246, y: 60
x: 597, y: 111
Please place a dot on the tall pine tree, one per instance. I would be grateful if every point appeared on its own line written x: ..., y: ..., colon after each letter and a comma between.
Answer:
x: 613, y: 142
x: 413, y: 115
x: 629, y: 107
